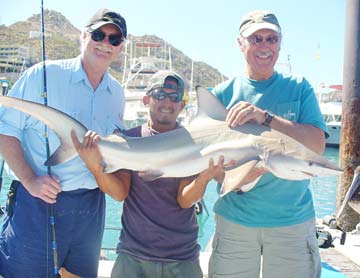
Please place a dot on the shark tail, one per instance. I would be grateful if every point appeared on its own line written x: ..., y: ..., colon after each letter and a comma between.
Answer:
x: 56, y: 120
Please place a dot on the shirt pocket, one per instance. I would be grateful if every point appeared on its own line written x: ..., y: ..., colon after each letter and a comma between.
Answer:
x: 288, y: 110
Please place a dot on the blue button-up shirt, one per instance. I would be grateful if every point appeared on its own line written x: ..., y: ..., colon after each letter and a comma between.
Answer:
x: 68, y: 90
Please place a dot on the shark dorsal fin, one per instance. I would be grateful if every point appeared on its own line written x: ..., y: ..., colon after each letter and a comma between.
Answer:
x: 209, y: 106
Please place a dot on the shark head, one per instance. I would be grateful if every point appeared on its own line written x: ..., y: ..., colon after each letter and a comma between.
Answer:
x: 294, y: 168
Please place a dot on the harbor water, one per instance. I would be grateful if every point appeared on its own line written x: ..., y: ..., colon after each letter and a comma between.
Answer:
x: 324, y: 193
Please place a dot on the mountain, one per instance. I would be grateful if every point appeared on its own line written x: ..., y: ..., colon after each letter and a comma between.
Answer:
x: 62, y: 41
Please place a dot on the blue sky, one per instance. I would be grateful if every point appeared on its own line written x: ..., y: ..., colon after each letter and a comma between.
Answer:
x: 206, y: 30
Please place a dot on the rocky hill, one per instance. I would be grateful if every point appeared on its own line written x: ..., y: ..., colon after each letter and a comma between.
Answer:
x: 62, y: 41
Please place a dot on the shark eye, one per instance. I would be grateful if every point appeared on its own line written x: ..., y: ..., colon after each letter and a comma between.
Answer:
x: 311, y: 163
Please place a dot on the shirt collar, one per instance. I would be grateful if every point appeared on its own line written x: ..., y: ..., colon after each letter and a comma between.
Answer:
x: 79, y: 75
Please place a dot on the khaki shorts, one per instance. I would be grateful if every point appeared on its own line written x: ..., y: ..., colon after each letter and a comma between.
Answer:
x: 282, y: 252
x: 127, y: 266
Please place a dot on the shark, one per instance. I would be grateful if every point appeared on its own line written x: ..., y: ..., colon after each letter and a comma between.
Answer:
x: 186, y: 151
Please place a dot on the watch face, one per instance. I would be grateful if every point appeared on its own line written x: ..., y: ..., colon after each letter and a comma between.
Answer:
x: 268, y: 118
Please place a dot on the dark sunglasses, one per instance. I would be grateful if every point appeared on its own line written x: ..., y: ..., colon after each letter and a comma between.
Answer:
x: 98, y: 36
x: 256, y: 40
x: 161, y: 95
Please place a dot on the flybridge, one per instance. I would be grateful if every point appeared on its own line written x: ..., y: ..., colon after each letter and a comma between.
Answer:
x: 148, y: 44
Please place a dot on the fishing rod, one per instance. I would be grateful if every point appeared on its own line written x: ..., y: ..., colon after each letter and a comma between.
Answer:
x: 1, y: 172
x: 1, y: 180
x: 44, y: 95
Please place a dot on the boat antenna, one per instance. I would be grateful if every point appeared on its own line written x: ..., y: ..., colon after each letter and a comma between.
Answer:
x: 44, y: 95
x: 289, y: 62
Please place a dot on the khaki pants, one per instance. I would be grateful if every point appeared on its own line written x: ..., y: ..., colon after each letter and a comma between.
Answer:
x: 282, y: 252
x: 127, y: 266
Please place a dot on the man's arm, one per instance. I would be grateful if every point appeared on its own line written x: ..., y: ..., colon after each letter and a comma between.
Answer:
x: 310, y: 136
x: 44, y: 187
x: 192, y: 190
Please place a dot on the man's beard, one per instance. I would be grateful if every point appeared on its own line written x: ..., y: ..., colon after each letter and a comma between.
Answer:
x: 163, y: 122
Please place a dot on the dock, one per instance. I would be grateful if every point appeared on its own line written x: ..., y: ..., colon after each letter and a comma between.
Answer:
x: 344, y: 259
x: 340, y: 263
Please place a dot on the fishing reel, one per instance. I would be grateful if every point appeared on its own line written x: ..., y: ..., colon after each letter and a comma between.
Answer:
x: 327, y: 232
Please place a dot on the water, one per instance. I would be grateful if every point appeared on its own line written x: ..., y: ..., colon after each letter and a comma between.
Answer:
x: 324, y: 192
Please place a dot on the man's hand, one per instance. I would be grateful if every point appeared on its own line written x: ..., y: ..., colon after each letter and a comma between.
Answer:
x: 45, y: 188
x: 88, y: 150
x: 244, y: 112
x: 216, y: 171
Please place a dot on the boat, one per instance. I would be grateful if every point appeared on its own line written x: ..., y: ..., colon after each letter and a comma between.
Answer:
x: 5, y: 85
x: 329, y: 98
x: 331, y: 112
x: 142, y: 61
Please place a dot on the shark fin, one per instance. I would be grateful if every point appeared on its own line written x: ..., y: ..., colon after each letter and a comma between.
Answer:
x: 208, y: 106
x: 62, y: 154
x: 234, y: 177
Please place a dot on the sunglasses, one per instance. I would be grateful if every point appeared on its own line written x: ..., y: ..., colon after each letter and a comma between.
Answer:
x: 161, y: 95
x: 256, y: 39
x: 114, y: 40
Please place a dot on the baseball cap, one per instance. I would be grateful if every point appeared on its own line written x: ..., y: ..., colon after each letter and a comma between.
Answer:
x: 258, y: 20
x: 158, y: 80
x: 105, y: 16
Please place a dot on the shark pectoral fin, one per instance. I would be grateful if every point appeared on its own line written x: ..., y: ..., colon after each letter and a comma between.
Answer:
x: 62, y: 154
x: 234, y: 177
x: 150, y: 175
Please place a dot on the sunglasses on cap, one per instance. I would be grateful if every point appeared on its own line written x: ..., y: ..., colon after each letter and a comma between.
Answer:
x: 98, y: 36
x: 159, y: 94
x: 256, y: 39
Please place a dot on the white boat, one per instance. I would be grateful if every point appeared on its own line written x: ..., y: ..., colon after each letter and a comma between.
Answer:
x: 331, y: 112
x: 329, y: 97
x: 143, y: 60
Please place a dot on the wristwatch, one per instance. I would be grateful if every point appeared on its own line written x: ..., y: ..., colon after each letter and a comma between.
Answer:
x: 268, y: 118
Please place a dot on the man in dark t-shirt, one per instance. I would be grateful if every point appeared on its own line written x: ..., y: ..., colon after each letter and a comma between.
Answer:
x: 159, y: 225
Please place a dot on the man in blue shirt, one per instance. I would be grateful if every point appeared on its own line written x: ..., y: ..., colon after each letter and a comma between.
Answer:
x: 83, y: 88
x: 275, y: 221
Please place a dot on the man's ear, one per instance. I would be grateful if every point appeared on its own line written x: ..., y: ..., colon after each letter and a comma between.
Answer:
x: 83, y: 35
x: 122, y: 46
x: 146, y: 100
x: 183, y: 103
x: 241, y: 42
